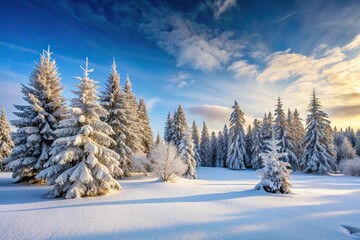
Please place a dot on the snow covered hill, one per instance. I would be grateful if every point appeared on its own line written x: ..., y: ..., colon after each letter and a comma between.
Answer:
x: 220, y: 204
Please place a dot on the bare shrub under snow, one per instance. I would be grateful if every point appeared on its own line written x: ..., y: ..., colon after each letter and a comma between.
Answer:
x: 140, y: 163
x: 167, y: 164
x: 350, y: 166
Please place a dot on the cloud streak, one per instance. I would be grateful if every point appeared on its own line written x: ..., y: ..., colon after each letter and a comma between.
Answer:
x: 180, y: 80
x: 221, y: 6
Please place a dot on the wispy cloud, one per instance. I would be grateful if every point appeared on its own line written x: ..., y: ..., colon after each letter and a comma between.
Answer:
x: 243, y: 69
x: 180, y: 80
x: 151, y: 102
x: 283, y: 18
x: 17, y: 47
x: 193, y: 44
x: 221, y: 6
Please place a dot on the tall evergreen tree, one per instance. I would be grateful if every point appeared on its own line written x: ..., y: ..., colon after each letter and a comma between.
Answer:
x: 205, y: 148
x: 298, y: 133
x: 37, y: 121
x: 267, y: 128
x: 6, y: 143
x: 248, y: 146
x: 178, y: 126
x: 257, y: 145
x: 196, y: 140
x: 282, y: 133
x: 221, y: 150
x: 133, y: 136
x: 226, y: 144
x: 82, y: 163
x: 213, y: 149
x: 167, y: 130
x: 112, y: 100
x: 146, y: 133
x: 236, y: 146
x: 186, y: 151
x: 318, y: 156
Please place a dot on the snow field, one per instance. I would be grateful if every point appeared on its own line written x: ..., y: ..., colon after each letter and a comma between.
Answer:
x: 220, y: 204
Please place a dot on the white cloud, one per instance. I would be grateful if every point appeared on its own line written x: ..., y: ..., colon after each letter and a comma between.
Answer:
x: 287, y: 65
x: 192, y: 44
x: 355, y: 43
x: 222, y: 6
x: 150, y: 103
x: 242, y: 68
x: 180, y: 80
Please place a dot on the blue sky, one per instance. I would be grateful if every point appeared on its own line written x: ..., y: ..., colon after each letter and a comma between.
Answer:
x: 202, y: 54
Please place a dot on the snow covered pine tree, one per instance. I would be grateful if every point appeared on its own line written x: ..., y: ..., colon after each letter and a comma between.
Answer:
x: 196, y: 139
x: 213, y: 149
x: 257, y: 145
x: 37, y: 121
x: 82, y: 163
x: 275, y: 175
x: 186, y: 151
x: 146, y: 134
x: 112, y: 100
x: 6, y: 144
x: 282, y: 133
x: 205, y: 148
x: 236, y: 145
x: 318, y: 145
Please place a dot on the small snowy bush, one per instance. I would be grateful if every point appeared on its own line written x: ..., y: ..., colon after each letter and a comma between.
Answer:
x: 167, y: 163
x: 275, y: 174
x: 140, y: 163
x: 350, y: 167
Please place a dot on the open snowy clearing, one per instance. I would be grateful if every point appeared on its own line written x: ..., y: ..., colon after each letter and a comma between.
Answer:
x: 220, y: 204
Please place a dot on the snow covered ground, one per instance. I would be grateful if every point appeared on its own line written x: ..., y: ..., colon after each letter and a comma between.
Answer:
x: 220, y: 204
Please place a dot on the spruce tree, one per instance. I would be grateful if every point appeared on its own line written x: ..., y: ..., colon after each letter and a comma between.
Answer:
x: 221, y: 150
x: 146, y: 133
x: 282, y: 133
x: 236, y: 146
x: 6, y: 143
x: 298, y: 133
x: 226, y: 144
x: 257, y: 145
x: 318, y: 156
x: 213, y: 149
x: 275, y: 175
x: 37, y: 121
x: 205, y: 148
x: 196, y: 139
x: 112, y: 100
x: 187, y: 154
x: 133, y: 136
x: 168, y: 128
x: 178, y: 126
x: 267, y: 128
x: 82, y: 163
x: 248, y: 146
